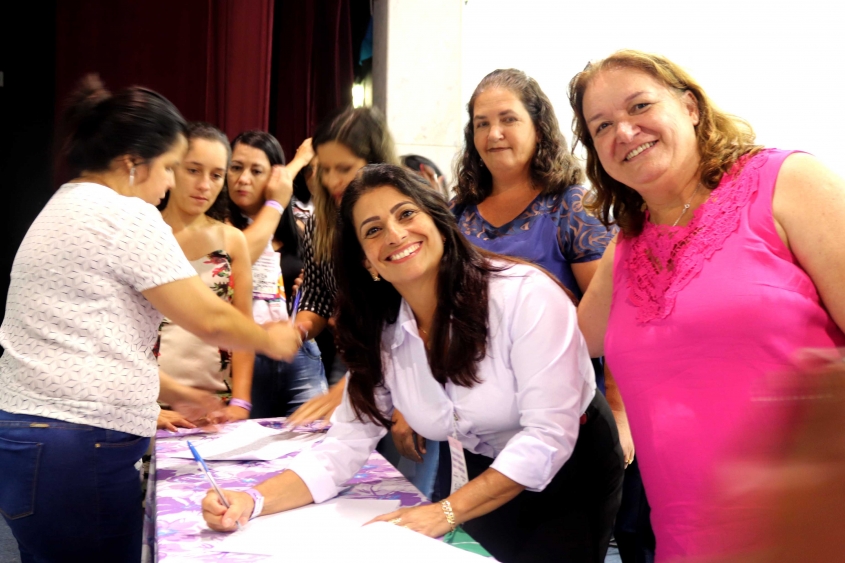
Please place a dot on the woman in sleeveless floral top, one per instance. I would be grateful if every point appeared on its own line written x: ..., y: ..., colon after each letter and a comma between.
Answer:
x: 219, y: 254
x: 728, y: 262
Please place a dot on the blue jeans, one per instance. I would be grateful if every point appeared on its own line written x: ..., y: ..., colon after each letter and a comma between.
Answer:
x: 70, y: 492
x: 279, y: 388
x: 422, y: 475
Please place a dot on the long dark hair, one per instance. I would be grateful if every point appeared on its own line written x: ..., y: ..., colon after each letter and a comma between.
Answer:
x: 553, y: 168
x: 286, y: 232
x: 98, y: 126
x: 459, y: 332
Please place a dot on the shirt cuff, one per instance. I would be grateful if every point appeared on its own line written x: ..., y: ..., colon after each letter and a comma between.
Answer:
x: 528, y: 461
x: 316, y: 478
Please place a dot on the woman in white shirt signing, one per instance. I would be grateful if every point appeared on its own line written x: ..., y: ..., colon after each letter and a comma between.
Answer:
x: 470, y: 345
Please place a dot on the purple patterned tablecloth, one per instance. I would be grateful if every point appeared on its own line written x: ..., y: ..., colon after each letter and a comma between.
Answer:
x: 174, y: 527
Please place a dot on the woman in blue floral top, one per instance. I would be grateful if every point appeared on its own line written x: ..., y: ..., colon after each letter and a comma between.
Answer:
x: 519, y: 189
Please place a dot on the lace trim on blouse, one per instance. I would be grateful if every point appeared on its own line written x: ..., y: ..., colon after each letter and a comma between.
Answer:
x: 663, y: 259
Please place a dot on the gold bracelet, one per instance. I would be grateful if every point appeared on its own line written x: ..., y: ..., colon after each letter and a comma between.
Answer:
x: 450, y: 516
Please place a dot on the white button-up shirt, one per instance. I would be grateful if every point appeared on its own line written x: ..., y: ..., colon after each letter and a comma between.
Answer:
x: 537, y: 381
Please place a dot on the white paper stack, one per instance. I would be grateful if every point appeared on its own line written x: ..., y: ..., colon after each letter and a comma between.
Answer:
x: 333, y: 531
x: 252, y: 441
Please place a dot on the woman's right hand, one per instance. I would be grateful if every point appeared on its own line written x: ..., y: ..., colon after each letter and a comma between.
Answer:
x: 279, y: 186
x: 319, y: 408
x: 305, y: 152
x: 284, y: 340
x: 409, y: 443
x: 223, y: 519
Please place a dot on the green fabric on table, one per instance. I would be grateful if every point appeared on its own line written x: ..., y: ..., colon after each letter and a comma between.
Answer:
x: 462, y: 540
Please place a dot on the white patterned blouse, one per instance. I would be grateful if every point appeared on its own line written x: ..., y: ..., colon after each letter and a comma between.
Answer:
x: 78, y: 334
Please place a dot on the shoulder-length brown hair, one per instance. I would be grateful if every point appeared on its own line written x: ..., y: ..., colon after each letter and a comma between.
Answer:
x: 553, y: 168
x: 722, y: 138
x: 364, y: 132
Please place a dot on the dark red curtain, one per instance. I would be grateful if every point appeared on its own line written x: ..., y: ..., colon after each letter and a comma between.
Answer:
x: 313, y: 66
x: 221, y: 61
x: 211, y: 58
x: 238, y: 96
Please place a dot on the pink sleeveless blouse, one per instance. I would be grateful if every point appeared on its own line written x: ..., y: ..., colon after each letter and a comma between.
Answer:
x: 699, y: 314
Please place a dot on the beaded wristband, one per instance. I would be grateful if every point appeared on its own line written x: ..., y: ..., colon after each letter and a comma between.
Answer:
x: 450, y: 516
x: 246, y: 405
x: 259, y: 502
x: 275, y: 205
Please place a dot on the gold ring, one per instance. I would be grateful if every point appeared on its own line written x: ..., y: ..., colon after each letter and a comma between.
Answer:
x: 395, y: 521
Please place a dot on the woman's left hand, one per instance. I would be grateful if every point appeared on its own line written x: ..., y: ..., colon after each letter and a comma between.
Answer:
x: 233, y: 414
x: 428, y: 520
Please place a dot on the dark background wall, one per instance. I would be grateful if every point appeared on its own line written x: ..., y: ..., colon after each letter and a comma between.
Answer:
x: 278, y: 65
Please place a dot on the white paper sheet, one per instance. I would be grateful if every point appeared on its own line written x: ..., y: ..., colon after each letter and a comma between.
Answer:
x: 302, y: 529
x: 333, y: 531
x: 252, y: 441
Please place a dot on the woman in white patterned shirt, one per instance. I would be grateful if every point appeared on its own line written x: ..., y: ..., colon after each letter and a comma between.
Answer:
x: 89, y: 285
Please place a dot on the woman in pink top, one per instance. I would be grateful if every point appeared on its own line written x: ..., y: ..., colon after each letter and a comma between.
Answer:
x: 728, y: 262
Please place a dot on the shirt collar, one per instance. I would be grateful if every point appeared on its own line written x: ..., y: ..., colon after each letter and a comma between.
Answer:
x: 405, y: 324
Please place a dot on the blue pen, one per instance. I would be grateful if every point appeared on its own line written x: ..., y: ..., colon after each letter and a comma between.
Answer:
x: 205, y: 470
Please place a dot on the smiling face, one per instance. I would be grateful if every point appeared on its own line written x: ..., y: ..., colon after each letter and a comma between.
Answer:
x: 200, y: 177
x: 160, y: 173
x: 400, y: 241
x: 505, y: 135
x: 643, y: 132
x: 338, y: 167
x: 248, y: 176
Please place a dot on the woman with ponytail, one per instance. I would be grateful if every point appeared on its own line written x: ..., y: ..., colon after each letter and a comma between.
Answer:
x: 90, y: 284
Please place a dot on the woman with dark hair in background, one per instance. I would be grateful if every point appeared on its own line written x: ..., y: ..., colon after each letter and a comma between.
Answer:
x: 78, y: 380
x: 469, y: 345
x: 219, y: 254
x: 428, y: 170
x: 278, y: 388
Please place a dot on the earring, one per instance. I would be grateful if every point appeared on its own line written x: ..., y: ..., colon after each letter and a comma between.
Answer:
x: 131, y: 176
x: 481, y: 163
x: 375, y: 276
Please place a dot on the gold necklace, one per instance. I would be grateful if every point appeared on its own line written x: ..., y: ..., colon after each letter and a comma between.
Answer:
x: 426, y: 342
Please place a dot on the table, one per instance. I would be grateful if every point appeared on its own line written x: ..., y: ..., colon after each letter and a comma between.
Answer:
x: 174, y: 528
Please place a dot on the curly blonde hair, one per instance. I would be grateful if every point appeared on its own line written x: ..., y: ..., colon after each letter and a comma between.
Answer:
x: 722, y: 138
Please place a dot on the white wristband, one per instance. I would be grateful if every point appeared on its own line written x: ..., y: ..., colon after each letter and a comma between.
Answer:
x: 259, y: 502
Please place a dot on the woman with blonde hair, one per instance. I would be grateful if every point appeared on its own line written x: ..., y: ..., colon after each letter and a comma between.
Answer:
x: 727, y: 263
x: 344, y: 143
